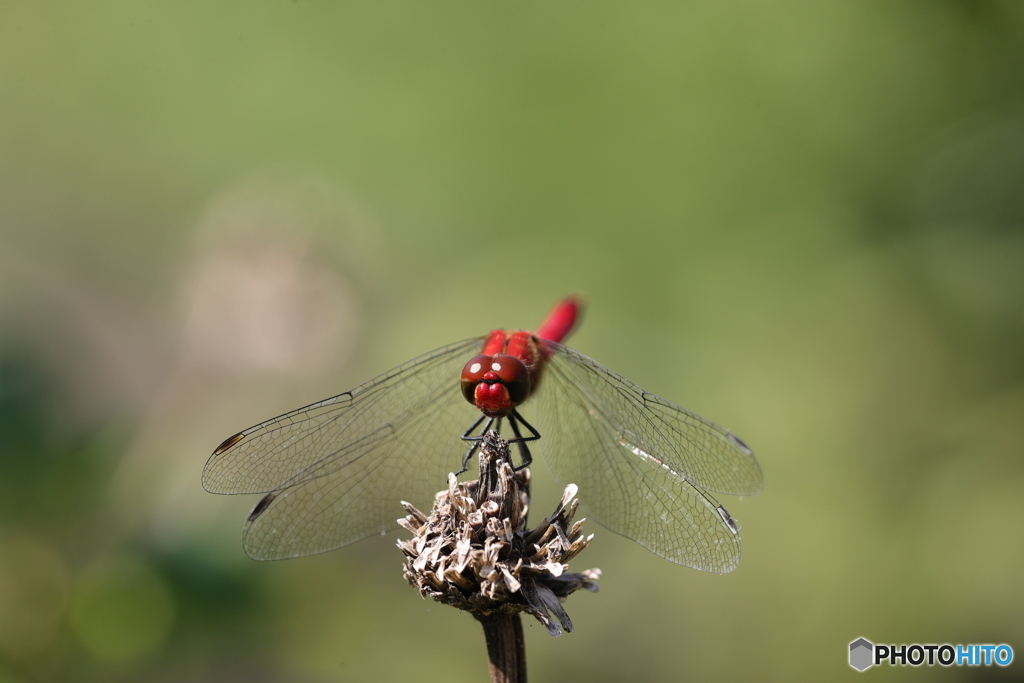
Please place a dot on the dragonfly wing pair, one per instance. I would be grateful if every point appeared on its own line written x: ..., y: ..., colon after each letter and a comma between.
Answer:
x: 645, y: 467
x: 335, y: 471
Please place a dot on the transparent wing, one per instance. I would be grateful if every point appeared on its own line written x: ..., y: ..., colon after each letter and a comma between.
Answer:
x: 336, y: 471
x: 644, y: 466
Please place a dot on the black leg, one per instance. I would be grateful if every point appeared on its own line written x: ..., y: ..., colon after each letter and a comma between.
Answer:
x: 514, y: 419
x: 466, y: 434
x: 474, y: 439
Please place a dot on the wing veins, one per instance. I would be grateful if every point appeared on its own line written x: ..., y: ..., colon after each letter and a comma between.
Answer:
x: 719, y: 464
x: 272, y: 453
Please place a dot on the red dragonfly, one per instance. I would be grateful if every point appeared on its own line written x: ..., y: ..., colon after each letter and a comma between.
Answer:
x: 335, y: 471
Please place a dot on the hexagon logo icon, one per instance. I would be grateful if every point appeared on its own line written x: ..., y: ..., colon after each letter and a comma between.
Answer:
x: 861, y: 654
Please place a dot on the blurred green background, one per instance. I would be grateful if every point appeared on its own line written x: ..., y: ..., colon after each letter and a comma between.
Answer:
x: 804, y: 220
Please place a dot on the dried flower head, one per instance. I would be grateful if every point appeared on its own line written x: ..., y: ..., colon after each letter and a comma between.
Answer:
x: 474, y: 551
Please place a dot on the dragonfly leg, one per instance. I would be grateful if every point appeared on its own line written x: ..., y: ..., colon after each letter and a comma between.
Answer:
x: 475, y: 440
x: 514, y: 419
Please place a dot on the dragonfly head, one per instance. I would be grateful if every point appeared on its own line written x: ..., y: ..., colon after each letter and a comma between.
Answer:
x: 495, y: 384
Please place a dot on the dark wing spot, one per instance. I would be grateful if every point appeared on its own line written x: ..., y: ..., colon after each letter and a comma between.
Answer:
x: 229, y: 442
x: 722, y: 512
x: 262, y: 505
x: 739, y: 442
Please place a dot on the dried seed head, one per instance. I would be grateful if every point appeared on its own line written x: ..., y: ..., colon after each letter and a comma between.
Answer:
x: 474, y: 551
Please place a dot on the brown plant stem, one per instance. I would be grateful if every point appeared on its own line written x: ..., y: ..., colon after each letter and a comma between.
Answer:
x: 506, y: 647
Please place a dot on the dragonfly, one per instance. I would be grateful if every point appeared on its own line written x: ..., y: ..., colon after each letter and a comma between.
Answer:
x: 335, y: 472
